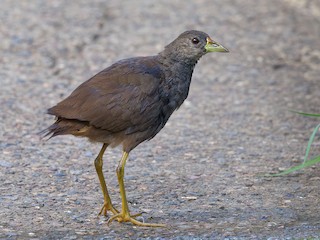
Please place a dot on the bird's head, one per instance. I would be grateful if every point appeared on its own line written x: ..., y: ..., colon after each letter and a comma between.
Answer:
x: 192, y: 45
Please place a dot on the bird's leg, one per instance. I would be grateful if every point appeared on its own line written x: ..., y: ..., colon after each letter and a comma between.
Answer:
x: 98, y: 163
x: 124, y: 215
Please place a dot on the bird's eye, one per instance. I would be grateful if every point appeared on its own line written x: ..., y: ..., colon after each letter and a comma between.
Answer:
x: 195, y: 40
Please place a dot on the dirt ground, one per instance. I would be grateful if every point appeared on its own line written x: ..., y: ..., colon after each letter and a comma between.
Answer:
x: 200, y: 174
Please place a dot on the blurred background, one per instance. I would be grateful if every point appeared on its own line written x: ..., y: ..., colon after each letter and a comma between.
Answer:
x: 234, y: 125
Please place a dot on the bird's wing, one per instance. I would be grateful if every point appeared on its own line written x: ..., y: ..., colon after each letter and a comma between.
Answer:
x: 123, y: 97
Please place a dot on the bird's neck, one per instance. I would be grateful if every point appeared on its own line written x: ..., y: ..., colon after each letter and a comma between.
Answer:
x: 175, y: 59
x: 175, y: 69
x: 176, y: 81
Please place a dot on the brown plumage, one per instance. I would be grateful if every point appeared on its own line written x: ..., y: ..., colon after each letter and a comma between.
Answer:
x: 130, y: 102
x: 121, y: 104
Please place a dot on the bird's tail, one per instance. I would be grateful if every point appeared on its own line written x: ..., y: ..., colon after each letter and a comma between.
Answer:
x: 64, y: 126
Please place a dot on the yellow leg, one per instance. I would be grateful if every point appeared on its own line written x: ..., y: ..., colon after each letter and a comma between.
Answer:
x: 98, y: 163
x: 124, y: 215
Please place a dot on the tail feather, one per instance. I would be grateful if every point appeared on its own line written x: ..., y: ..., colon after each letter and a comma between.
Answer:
x: 65, y: 126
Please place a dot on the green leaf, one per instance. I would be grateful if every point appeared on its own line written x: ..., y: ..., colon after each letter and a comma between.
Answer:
x: 306, y: 114
x: 290, y: 170
x: 310, y: 142
x: 306, y: 162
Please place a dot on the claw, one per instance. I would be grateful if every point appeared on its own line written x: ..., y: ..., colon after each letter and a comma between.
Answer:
x: 121, y: 217
x: 107, y: 207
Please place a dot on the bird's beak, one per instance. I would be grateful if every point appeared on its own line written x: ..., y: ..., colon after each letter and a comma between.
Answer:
x: 213, y: 46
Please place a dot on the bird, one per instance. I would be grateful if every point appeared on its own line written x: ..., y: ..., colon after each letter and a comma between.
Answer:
x: 128, y: 103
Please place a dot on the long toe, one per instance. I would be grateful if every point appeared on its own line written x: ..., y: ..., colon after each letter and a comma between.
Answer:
x: 120, y: 217
x: 105, y: 208
x: 143, y: 224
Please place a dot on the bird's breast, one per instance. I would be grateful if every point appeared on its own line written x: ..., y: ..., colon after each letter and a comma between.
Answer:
x: 173, y: 94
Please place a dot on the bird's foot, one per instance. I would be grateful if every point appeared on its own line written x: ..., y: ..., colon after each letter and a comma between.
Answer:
x: 124, y: 217
x: 107, y: 207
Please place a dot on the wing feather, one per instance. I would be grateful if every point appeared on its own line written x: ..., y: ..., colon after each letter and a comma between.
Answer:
x: 123, y: 97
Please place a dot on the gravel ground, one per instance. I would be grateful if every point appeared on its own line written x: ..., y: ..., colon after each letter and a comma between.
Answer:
x: 199, y: 175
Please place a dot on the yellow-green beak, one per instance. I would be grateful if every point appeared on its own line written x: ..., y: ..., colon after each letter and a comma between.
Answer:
x: 213, y: 46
